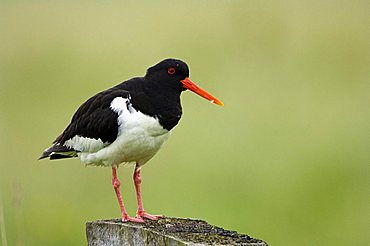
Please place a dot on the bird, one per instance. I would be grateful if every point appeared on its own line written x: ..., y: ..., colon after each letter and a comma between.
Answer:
x: 128, y: 123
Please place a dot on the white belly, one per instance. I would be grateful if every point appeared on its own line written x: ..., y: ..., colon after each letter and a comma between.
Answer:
x: 139, y: 138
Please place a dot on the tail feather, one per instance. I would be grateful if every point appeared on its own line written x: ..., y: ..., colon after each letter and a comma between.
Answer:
x: 58, y: 151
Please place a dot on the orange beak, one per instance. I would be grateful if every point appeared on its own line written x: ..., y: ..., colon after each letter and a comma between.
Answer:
x: 188, y: 84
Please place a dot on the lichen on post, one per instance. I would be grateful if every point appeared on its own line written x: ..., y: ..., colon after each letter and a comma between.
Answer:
x: 165, y: 231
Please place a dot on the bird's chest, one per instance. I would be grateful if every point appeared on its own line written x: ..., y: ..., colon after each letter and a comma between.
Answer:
x: 165, y: 107
x: 169, y: 121
x: 139, y: 136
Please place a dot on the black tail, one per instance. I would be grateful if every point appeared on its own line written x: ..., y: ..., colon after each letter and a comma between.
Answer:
x: 58, y: 151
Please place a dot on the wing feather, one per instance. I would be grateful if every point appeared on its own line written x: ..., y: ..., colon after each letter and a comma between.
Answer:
x: 94, y: 119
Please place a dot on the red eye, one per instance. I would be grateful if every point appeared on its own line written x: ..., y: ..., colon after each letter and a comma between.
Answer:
x: 171, y: 70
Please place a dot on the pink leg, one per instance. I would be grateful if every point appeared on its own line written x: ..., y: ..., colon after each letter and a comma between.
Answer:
x: 140, y: 209
x: 116, y: 185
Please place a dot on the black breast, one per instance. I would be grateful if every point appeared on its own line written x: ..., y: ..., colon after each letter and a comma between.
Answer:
x: 162, y: 104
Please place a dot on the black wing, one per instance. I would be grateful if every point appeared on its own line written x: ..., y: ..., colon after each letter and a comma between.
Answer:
x: 93, y: 119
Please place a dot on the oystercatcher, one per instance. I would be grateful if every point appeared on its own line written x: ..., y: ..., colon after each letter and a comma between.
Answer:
x: 128, y: 123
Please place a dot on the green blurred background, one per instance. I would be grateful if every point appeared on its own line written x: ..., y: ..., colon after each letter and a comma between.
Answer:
x: 285, y: 160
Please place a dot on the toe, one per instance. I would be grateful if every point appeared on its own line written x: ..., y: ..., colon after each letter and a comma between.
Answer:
x: 133, y: 219
x: 148, y: 216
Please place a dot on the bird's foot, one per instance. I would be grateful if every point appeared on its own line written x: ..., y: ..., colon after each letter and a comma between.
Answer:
x: 143, y: 214
x: 132, y: 219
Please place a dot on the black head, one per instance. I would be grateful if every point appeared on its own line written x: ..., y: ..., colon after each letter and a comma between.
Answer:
x: 169, y: 73
x: 173, y: 75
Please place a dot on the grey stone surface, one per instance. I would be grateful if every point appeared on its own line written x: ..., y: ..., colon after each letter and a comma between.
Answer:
x: 166, y: 231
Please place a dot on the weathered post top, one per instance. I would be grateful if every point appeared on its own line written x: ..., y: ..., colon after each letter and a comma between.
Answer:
x: 166, y: 231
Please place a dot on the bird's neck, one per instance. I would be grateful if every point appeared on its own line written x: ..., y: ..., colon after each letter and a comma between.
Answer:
x: 152, y: 100
x: 167, y: 106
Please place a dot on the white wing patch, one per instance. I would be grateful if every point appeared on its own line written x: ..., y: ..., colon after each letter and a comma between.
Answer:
x: 85, y: 144
x: 119, y: 104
